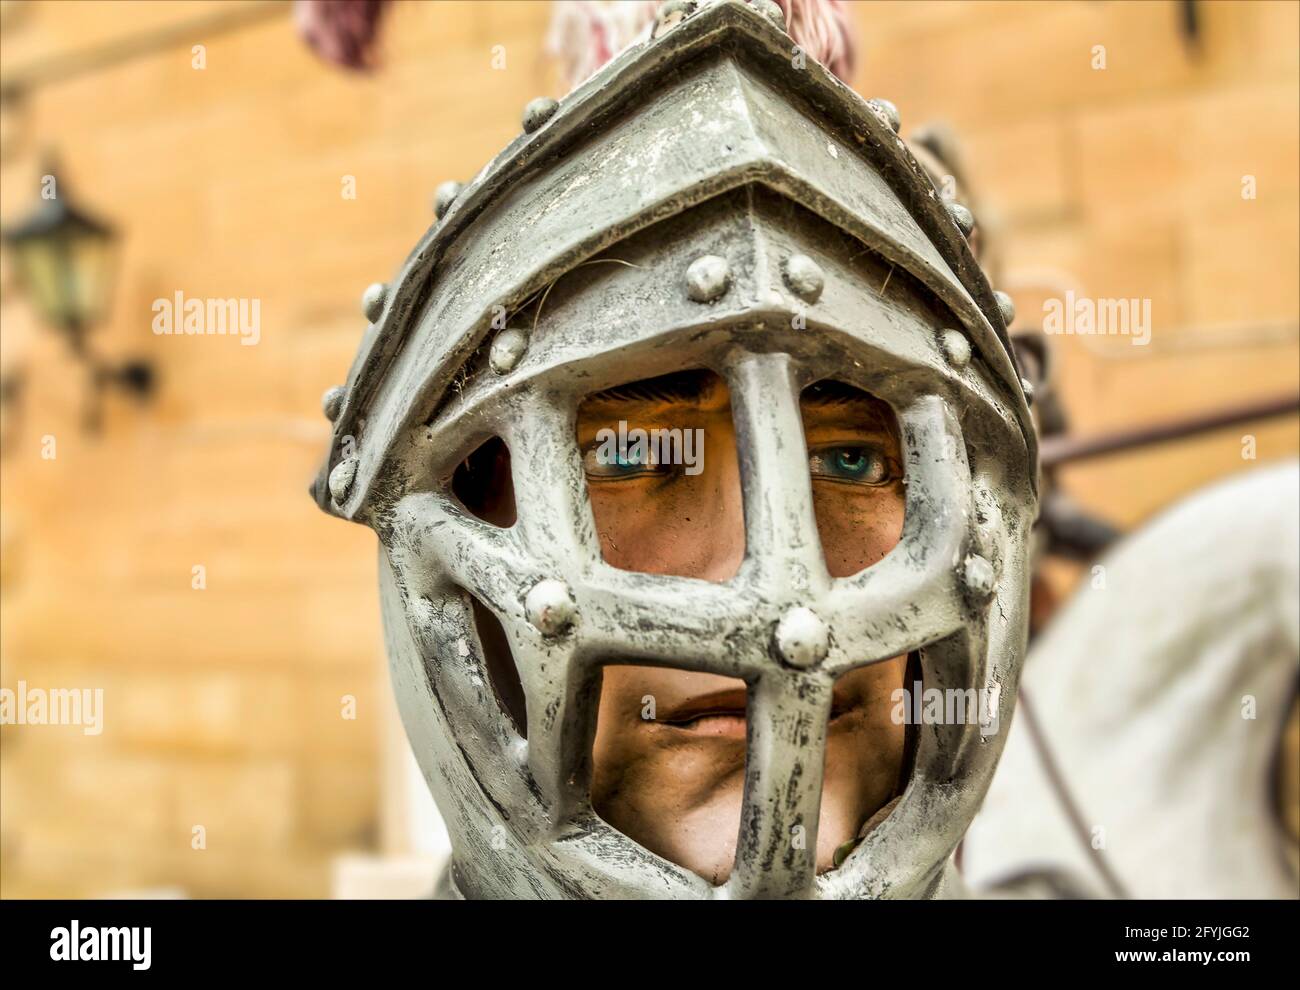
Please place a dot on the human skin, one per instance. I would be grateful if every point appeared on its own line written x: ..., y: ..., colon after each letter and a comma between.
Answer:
x: 673, y: 781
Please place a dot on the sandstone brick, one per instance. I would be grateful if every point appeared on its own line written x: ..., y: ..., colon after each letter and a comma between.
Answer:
x: 241, y: 804
x: 223, y: 706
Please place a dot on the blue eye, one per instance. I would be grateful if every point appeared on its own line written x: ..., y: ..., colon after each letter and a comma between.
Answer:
x: 855, y: 463
x: 632, y: 461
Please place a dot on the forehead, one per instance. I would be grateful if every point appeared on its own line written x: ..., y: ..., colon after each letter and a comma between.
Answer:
x: 703, y: 389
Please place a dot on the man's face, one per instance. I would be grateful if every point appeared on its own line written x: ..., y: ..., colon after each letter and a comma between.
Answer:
x: 669, y: 754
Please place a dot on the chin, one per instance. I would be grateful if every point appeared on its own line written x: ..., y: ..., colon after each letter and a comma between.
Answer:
x: 681, y: 798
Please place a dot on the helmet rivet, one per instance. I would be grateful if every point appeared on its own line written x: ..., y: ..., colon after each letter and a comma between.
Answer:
x: 977, y: 573
x: 771, y: 10
x: 804, y: 277
x: 538, y: 112
x: 962, y: 217
x: 1006, y: 307
x: 802, y: 638
x: 342, y: 477
x: 507, y: 349
x: 550, y: 607
x: 672, y: 13
x: 1028, y: 388
x: 372, y: 301
x: 956, y: 348
x: 332, y: 401
x: 444, y: 196
x: 707, y: 278
x: 887, y: 112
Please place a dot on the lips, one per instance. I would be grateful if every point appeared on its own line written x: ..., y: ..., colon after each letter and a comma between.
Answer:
x: 722, y: 713
x: 716, y: 713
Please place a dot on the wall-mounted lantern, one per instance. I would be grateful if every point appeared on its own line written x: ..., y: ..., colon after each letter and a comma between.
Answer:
x: 66, y: 261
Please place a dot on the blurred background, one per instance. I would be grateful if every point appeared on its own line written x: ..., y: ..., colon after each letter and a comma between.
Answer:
x: 156, y: 537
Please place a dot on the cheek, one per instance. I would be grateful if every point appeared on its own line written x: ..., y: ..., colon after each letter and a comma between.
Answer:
x: 857, y: 527
x: 872, y: 741
x: 643, y: 767
x: 649, y: 527
x: 687, y: 526
x: 873, y: 686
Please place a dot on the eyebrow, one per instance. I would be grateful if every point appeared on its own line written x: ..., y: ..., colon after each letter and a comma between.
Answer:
x: 833, y: 393
x: 682, y: 386
x: 847, y: 405
x: 690, y: 385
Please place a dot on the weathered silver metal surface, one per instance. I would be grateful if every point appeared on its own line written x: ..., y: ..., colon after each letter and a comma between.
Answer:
x: 707, y: 278
x: 671, y: 13
x: 1006, y: 307
x: 771, y: 10
x: 979, y: 575
x: 341, y: 479
x: 962, y: 217
x: 507, y: 349
x: 538, y: 112
x: 332, y: 401
x: 886, y: 111
x: 802, y: 639
x: 550, y: 607
x: 704, y: 142
x: 444, y: 196
x: 372, y: 301
x: 804, y: 277
x: 956, y: 348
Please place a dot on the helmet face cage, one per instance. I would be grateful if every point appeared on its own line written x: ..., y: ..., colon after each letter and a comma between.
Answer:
x: 954, y: 589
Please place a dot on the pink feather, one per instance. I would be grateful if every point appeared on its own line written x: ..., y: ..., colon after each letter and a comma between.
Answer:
x: 585, y: 34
